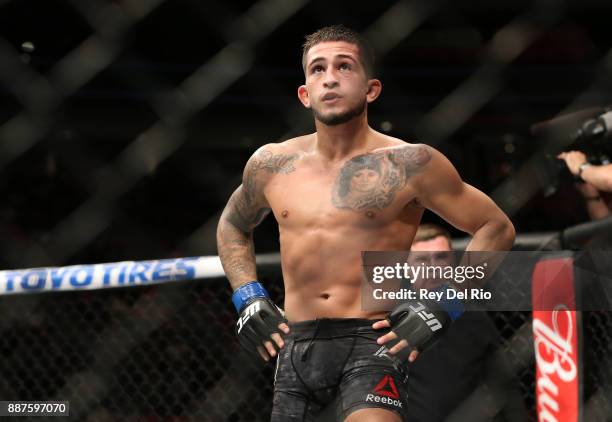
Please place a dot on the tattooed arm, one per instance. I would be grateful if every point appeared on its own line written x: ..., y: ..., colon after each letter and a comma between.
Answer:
x: 260, y: 321
x: 246, y: 208
x: 441, y: 190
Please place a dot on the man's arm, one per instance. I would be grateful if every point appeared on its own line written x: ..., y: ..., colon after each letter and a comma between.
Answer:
x: 598, y: 176
x: 245, y: 209
x: 260, y: 321
x: 441, y: 190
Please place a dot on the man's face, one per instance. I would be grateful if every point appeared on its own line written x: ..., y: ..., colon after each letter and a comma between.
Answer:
x: 336, y: 87
x: 432, y: 252
x: 437, y: 244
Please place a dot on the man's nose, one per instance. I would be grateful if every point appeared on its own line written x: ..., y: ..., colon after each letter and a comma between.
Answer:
x: 330, y: 80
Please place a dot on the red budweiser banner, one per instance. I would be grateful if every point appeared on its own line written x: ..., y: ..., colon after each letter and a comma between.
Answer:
x: 555, y: 336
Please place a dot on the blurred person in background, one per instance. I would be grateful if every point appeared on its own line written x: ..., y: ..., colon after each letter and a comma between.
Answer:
x: 594, y: 180
x: 454, y: 367
x: 595, y: 201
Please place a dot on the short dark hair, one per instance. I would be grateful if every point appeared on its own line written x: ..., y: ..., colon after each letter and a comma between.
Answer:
x: 431, y: 231
x: 341, y: 33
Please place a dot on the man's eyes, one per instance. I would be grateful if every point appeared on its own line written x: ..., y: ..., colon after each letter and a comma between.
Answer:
x: 342, y: 66
x: 317, y: 69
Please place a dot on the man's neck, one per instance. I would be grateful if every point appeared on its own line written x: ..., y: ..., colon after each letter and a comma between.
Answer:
x: 340, y: 141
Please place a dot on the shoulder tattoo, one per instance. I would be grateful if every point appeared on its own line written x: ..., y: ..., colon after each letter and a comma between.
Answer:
x: 245, y: 211
x: 273, y: 163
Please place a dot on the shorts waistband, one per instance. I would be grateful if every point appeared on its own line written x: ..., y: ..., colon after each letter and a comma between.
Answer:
x: 332, y: 326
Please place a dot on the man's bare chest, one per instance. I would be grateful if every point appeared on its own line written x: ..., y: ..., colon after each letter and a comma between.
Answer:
x: 365, y: 189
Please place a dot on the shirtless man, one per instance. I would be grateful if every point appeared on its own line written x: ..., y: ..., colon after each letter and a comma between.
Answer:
x: 341, y: 190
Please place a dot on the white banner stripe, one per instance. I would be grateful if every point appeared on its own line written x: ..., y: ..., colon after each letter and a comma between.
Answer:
x: 109, y: 275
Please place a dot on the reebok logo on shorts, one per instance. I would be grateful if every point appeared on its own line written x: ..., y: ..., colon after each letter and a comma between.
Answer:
x: 387, y: 389
x: 381, y: 390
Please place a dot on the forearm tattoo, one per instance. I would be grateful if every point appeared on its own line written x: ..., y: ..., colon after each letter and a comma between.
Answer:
x: 371, y: 181
x: 237, y: 254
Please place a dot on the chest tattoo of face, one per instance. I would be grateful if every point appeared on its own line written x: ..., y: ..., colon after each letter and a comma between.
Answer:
x: 371, y: 181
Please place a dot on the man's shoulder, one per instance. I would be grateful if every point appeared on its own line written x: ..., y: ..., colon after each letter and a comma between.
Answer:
x: 406, y: 153
x: 386, y: 143
x: 276, y: 157
x: 295, y: 145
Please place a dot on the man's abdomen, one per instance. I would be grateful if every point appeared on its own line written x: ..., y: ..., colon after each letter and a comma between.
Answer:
x: 322, y: 269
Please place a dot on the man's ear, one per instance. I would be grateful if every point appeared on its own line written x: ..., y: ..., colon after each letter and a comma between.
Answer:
x: 374, y: 90
x: 303, y: 96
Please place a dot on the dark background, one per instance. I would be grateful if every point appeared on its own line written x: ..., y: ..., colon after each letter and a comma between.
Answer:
x: 72, y: 192
x: 125, y: 125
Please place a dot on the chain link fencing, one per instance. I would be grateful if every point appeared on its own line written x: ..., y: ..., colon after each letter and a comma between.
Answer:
x: 169, y: 352
x: 105, y: 158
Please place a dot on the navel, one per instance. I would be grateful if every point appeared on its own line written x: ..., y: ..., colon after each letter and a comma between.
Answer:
x: 370, y: 214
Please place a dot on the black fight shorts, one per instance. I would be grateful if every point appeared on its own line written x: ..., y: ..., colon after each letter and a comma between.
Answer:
x: 330, y: 368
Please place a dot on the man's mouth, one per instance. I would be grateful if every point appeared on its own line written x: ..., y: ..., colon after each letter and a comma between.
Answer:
x: 330, y: 97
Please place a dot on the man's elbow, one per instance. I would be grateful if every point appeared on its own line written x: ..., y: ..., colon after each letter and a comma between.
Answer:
x: 499, y: 233
x: 506, y: 231
x: 232, y: 223
x: 511, y: 232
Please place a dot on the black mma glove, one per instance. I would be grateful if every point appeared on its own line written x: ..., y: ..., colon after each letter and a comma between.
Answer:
x: 422, y: 322
x: 259, y: 316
